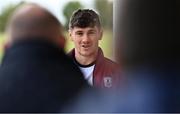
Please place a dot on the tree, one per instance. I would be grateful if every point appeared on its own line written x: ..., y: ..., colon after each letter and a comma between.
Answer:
x: 6, y: 13
x: 69, y: 9
x: 105, y: 10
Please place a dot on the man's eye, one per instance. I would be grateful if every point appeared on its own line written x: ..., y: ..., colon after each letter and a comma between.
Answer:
x: 79, y: 33
x: 92, y: 32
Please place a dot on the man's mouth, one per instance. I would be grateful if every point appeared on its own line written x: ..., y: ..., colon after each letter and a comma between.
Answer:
x: 85, y: 46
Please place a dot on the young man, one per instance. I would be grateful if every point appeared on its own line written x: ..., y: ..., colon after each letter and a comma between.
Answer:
x: 85, y: 31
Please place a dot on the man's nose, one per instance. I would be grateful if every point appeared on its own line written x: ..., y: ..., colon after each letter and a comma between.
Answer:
x: 86, y: 39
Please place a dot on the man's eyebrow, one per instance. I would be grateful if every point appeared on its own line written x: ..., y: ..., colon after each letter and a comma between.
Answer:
x: 79, y: 31
x: 92, y: 30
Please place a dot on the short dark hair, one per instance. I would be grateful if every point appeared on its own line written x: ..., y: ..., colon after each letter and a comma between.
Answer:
x: 84, y: 18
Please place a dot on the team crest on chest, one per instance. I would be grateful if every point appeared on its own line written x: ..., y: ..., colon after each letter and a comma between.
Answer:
x: 107, y: 81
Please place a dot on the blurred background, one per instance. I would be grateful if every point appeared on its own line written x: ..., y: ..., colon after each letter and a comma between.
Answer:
x: 63, y: 9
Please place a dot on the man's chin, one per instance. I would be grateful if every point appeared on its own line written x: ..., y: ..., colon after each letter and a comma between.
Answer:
x: 86, y: 54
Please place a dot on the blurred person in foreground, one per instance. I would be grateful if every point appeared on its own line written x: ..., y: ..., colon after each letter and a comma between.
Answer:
x: 35, y: 74
x: 148, y: 52
x: 85, y: 31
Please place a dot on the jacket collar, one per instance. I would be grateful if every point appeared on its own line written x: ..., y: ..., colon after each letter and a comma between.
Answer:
x: 99, y: 60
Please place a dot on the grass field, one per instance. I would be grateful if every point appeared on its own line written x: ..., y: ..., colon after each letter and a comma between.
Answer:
x: 105, y: 44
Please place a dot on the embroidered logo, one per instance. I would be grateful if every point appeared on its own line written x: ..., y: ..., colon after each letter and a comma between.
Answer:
x: 107, y: 82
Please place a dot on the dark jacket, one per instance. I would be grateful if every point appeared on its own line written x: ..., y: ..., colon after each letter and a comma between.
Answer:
x: 36, y: 76
x: 105, y: 70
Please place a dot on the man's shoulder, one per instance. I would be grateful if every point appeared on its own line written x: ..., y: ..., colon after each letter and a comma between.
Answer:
x: 105, y: 62
x: 110, y: 63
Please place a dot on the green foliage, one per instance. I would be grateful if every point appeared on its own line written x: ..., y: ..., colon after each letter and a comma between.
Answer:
x: 69, y: 9
x: 5, y: 15
x: 105, y: 10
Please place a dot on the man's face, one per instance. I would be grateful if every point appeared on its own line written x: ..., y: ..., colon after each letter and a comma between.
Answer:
x: 86, y: 40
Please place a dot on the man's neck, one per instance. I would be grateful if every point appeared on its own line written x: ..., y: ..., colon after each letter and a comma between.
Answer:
x: 85, y: 60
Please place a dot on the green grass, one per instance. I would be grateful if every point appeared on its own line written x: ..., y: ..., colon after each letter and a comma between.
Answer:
x: 105, y: 43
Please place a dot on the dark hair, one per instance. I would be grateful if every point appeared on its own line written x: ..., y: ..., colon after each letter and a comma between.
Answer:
x: 84, y: 18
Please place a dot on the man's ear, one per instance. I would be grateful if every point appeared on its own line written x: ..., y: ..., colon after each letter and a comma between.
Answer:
x: 70, y: 34
x: 100, y: 34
